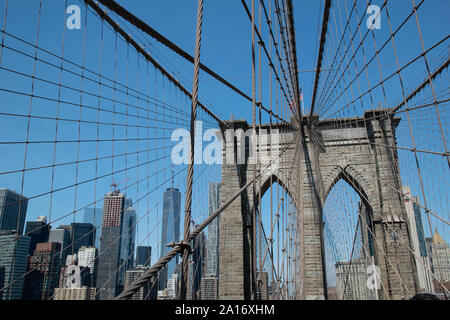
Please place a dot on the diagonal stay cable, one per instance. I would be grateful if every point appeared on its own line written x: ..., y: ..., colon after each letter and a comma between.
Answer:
x: 268, y: 56
x: 125, y: 14
x: 180, y: 246
x: 147, y: 56
x: 427, y: 81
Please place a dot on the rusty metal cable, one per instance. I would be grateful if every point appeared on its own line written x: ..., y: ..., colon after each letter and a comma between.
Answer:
x: 146, y: 55
x: 179, y: 247
x: 271, y: 64
x: 190, y: 172
x: 128, y: 16
x: 419, y: 88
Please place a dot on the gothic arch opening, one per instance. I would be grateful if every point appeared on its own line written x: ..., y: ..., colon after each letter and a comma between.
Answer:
x: 276, y: 234
x: 348, y: 240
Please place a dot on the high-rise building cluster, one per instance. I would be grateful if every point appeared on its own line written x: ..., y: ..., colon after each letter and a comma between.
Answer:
x: 93, y: 259
x: 73, y: 262
x: 38, y: 262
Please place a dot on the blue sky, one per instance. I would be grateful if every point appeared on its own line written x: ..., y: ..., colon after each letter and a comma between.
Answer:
x: 226, y: 48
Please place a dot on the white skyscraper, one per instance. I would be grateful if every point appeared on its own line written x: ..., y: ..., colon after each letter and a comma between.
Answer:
x: 86, y: 257
x: 172, y: 286
x: 351, y: 280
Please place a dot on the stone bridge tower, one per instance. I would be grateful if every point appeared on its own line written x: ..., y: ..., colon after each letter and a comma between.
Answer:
x: 360, y: 151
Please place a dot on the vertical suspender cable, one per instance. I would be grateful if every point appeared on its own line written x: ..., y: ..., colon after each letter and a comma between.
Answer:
x: 190, y: 173
x: 253, y: 246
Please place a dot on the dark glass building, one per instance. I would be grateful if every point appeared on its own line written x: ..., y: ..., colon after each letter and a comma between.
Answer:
x: 210, y: 280
x: 170, y: 232
x: 61, y: 236
x: 94, y: 217
x: 420, y: 231
x: 212, y: 243
x: 127, y: 240
x: 143, y: 256
x: 13, y: 210
x: 81, y: 234
x: 197, y: 266
x: 38, y: 231
x: 108, y: 264
x: 13, y: 258
x: 43, y: 272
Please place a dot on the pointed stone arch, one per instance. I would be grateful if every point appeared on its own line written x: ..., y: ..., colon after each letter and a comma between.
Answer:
x: 358, y: 151
x: 352, y: 176
x: 269, y: 181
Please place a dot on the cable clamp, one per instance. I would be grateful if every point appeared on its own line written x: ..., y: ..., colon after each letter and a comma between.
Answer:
x: 184, y: 245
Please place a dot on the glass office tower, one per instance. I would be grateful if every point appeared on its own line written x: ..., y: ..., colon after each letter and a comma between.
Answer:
x: 170, y: 231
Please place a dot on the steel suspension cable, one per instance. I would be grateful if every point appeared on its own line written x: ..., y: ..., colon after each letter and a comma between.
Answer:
x: 190, y: 172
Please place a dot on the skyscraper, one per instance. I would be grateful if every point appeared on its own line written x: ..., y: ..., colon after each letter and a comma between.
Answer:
x: 196, y: 268
x: 81, y: 234
x: 351, y: 280
x: 170, y: 231
x: 94, y: 217
x: 365, y: 232
x: 209, y: 287
x: 147, y: 292
x: 210, y: 281
x: 87, y: 257
x: 61, y: 236
x: 113, y: 207
x: 143, y: 256
x: 129, y: 236
x: 440, y: 257
x: 128, y: 240
x: 212, y: 243
x: 418, y: 240
x: 110, y: 245
x: 13, y: 210
x: 43, y: 272
x: 38, y: 231
x: 173, y: 286
x: 13, y: 258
